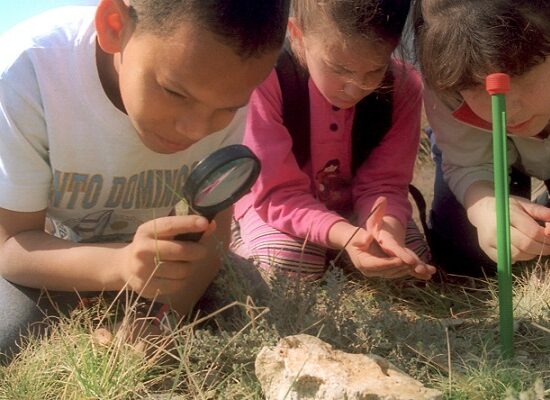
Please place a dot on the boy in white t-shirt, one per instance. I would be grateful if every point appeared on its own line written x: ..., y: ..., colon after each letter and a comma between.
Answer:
x: 103, y: 112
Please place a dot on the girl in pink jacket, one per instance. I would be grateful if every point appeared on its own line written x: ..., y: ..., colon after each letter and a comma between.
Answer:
x: 356, y: 148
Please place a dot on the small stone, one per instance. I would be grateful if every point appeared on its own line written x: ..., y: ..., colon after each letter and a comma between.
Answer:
x: 102, y: 337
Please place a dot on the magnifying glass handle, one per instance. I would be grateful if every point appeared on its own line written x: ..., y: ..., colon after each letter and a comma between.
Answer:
x: 189, y: 237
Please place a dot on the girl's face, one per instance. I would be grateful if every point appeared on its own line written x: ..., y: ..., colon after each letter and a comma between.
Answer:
x: 344, y: 72
x: 527, y: 102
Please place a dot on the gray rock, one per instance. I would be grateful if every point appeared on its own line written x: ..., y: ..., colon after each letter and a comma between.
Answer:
x: 303, y: 367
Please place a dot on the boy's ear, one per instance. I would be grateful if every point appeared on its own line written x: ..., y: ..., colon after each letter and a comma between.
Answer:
x: 111, y: 19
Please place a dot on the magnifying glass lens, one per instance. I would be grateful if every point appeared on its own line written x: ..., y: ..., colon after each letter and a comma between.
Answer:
x: 224, y: 182
x: 218, y: 181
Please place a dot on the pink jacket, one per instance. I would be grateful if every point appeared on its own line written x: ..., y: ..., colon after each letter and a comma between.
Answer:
x: 290, y: 199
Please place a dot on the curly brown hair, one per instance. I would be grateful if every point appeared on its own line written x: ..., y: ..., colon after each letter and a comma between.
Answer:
x: 459, y: 42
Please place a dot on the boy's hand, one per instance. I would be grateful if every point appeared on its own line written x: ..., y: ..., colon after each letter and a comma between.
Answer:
x: 155, y: 264
x: 527, y: 237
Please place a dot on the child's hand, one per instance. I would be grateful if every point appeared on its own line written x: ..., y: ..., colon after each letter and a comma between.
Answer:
x: 384, y: 257
x: 388, y: 242
x: 155, y: 264
x: 527, y: 237
x: 377, y: 251
x: 371, y: 261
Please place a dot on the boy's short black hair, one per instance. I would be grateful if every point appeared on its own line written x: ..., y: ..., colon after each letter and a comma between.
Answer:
x: 250, y: 27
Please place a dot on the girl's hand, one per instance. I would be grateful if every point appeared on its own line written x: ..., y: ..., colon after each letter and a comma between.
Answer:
x: 527, y: 237
x: 377, y: 251
x: 391, y: 239
x: 154, y: 264
x: 372, y: 261
x: 364, y: 252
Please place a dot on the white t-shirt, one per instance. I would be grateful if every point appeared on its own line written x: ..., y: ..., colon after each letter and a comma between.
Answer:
x: 66, y: 148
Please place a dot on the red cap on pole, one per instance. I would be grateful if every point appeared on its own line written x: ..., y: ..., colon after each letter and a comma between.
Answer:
x: 498, y: 83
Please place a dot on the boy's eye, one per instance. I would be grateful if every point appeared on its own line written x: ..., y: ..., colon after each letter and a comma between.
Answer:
x: 230, y: 110
x: 173, y: 93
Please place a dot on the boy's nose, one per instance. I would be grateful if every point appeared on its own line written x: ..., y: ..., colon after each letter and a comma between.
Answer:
x: 514, y: 111
x: 193, y: 127
x: 517, y: 103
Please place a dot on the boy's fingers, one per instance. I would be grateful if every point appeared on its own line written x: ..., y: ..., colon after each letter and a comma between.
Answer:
x: 177, y: 250
x: 172, y: 270
x: 529, y: 227
x: 525, y: 215
x: 168, y: 227
x: 536, y: 211
x: 210, y: 230
x: 528, y: 245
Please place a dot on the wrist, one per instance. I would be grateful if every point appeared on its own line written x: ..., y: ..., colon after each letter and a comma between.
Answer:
x: 340, y: 233
x: 476, y: 200
x: 479, y: 211
x: 395, y: 228
x: 113, y: 275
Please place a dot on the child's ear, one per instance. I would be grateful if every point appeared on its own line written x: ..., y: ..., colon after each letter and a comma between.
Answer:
x: 294, y: 30
x: 111, y: 19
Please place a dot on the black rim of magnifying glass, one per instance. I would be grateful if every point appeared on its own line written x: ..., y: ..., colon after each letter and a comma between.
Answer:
x: 206, y: 167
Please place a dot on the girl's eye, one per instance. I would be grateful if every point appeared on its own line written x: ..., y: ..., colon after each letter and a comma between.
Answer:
x: 336, y: 69
x: 340, y: 71
x: 377, y: 72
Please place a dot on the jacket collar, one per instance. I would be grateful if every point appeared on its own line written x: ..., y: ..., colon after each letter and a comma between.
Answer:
x: 465, y: 115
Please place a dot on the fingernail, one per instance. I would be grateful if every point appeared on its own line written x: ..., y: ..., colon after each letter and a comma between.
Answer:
x: 201, y: 221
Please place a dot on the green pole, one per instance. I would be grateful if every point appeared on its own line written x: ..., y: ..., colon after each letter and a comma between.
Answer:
x: 497, y: 86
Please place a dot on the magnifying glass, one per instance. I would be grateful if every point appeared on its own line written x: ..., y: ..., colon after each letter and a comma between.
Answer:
x: 218, y: 181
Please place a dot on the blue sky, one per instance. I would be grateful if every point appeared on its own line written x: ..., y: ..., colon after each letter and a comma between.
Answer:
x: 14, y: 11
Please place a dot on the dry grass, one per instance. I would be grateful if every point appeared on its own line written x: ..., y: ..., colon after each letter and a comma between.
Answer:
x: 444, y: 334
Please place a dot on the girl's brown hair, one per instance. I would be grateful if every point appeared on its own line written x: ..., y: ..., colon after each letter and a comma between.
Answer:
x: 372, y: 19
x: 459, y: 42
